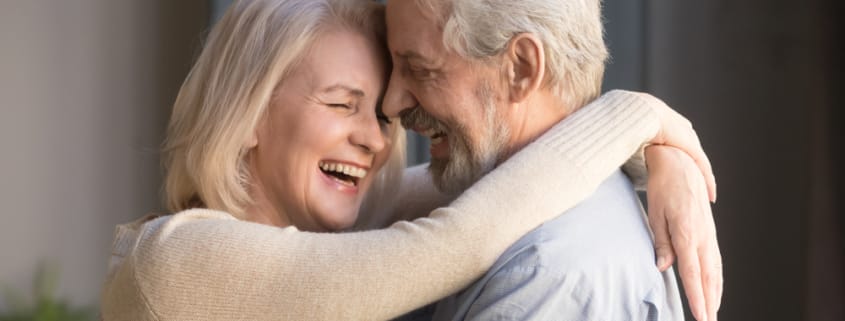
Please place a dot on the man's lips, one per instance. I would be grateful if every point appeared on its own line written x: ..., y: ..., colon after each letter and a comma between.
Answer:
x: 429, y: 132
x: 439, y: 148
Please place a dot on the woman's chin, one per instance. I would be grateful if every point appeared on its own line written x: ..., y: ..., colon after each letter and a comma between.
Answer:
x: 337, y: 223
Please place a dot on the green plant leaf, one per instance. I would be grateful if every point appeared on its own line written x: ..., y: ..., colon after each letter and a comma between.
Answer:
x: 45, y: 306
x: 15, y: 301
x: 46, y: 281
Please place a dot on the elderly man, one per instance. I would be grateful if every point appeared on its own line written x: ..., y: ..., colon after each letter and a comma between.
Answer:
x: 484, y: 78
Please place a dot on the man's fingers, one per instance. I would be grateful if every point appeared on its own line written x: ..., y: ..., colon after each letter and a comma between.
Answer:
x: 662, y: 239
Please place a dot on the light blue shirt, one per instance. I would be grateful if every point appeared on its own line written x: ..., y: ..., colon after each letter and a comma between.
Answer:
x: 596, y: 262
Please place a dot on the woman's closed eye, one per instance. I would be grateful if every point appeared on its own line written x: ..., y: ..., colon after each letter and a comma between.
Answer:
x: 345, y: 106
x: 382, y: 118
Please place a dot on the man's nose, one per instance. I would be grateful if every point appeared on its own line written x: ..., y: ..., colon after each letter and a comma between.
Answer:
x: 397, y: 98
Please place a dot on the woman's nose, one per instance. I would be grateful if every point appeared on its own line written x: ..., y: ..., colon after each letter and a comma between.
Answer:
x: 370, y: 135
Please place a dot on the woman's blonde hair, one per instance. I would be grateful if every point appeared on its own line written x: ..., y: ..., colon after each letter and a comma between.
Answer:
x: 248, y: 53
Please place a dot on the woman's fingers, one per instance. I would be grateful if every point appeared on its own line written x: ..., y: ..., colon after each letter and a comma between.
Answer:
x: 703, y: 163
x: 679, y: 211
x: 677, y: 131
x: 685, y: 240
x: 711, y: 265
x: 720, y: 286
x: 662, y: 239
x: 712, y: 280
x: 689, y: 268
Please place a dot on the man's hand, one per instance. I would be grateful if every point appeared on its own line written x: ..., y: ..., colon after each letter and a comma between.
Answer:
x: 680, y: 216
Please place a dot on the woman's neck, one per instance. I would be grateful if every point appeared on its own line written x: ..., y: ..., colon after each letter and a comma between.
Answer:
x: 262, y: 210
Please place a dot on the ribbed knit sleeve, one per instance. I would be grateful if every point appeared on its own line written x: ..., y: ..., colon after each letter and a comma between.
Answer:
x: 206, y: 265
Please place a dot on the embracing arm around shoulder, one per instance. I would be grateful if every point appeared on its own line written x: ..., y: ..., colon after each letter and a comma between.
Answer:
x: 202, y: 264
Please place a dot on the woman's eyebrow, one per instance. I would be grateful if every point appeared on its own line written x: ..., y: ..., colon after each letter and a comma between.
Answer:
x: 353, y: 91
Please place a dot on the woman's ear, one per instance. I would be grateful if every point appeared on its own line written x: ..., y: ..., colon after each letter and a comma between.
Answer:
x: 526, y: 63
x: 251, y: 140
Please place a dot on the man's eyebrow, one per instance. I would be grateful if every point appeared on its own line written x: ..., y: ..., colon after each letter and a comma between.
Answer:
x: 409, y: 55
x: 353, y: 91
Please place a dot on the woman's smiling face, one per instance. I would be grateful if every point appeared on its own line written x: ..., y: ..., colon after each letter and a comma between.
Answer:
x: 321, y: 143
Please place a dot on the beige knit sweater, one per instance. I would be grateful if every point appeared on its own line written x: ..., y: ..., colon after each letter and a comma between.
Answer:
x: 206, y: 265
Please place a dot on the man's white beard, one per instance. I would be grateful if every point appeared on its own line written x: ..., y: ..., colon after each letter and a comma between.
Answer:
x: 467, y: 162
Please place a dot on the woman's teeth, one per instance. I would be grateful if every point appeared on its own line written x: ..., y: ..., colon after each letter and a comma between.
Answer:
x: 344, y: 169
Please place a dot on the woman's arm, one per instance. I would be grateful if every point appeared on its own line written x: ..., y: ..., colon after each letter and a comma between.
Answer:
x: 681, y: 210
x: 676, y: 186
x: 688, y: 223
x: 417, y: 196
x: 203, y: 264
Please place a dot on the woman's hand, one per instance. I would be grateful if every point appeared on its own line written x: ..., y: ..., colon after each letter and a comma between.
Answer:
x: 677, y: 131
x: 680, y: 216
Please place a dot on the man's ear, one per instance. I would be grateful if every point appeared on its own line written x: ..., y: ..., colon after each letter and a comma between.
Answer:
x: 525, y: 59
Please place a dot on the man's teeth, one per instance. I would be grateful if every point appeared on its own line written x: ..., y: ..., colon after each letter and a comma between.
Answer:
x: 348, y: 170
x: 430, y: 133
x: 438, y: 140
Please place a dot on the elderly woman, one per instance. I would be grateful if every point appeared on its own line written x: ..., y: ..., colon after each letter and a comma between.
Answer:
x: 277, y: 135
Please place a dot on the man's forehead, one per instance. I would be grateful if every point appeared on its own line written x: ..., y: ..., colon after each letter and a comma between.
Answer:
x: 407, y: 16
x: 428, y: 9
x: 411, y: 34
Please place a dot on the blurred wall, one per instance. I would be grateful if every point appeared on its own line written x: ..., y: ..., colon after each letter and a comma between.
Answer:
x: 760, y: 81
x: 85, y: 91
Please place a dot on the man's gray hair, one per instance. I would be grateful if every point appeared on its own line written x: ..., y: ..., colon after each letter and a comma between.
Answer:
x: 571, y: 31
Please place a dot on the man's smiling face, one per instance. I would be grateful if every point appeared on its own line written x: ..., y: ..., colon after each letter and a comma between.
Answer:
x: 439, y: 94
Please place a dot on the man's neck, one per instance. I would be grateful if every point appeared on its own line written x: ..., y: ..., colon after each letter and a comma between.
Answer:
x: 533, y: 118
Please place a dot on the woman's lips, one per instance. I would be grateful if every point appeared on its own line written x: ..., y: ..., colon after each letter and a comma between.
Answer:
x: 343, y: 176
x: 338, y: 184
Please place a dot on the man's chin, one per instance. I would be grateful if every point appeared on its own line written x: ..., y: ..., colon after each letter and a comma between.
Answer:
x: 449, y: 180
x: 461, y: 167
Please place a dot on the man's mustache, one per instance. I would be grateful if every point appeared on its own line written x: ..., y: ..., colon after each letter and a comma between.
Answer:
x: 417, y: 117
